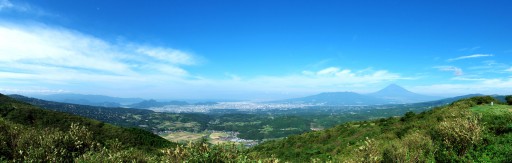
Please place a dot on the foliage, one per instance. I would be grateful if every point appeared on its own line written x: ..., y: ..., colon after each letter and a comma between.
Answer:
x: 369, y: 151
x: 460, y: 132
x: 26, y: 144
x: 414, y: 147
x: 453, y: 133
x: 31, y: 116
x: 508, y: 99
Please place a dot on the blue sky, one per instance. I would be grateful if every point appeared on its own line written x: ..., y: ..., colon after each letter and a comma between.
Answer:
x: 252, y: 49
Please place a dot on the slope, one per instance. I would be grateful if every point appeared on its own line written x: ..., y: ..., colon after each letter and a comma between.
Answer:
x: 453, y: 133
x: 32, y: 116
x: 127, y: 117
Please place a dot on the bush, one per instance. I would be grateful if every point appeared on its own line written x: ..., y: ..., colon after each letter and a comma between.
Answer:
x: 483, y: 100
x: 461, y: 132
x: 408, y: 116
x: 50, y: 145
x: 203, y: 152
x: 415, y: 147
x: 369, y: 151
x: 508, y: 99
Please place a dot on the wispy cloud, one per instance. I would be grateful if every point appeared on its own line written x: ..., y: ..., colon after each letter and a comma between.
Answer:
x: 24, y: 8
x: 54, y: 54
x: 5, y: 4
x: 484, y: 86
x: 509, y: 69
x: 168, y: 55
x: 470, y: 49
x: 468, y: 79
x: 456, y: 71
x: 32, y: 91
x: 470, y: 56
x: 327, y: 79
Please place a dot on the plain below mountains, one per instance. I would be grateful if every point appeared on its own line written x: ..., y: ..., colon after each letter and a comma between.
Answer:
x: 392, y: 94
x: 153, y: 103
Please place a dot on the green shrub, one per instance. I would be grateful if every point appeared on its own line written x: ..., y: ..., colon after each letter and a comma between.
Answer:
x: 369, y: 151
x: 460, y: 132
x: 50, y: 145
x: 203, y: 152
x: 414, y: 147
x: 508, y: 99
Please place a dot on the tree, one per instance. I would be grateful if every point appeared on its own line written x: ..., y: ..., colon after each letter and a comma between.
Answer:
x: 509, y: 99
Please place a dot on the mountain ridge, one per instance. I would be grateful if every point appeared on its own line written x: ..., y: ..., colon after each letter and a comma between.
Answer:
x: 93, y: 100
x: 392, y: 94
x: 397, y: 94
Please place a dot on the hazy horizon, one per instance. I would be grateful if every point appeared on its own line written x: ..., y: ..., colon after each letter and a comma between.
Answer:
x: 254, y: 49
x: 220, y: 99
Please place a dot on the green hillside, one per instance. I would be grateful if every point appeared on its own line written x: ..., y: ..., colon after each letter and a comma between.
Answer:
x: 466, y: 130
x: 26, y: 129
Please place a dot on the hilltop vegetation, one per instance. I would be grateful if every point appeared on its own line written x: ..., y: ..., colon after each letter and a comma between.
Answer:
x: 466, y: 130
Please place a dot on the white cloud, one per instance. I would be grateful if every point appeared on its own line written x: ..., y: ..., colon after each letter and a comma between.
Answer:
x: 470, y: 49
x: 328, y: 79
x: 31, y: 91
x: 169, y: 55
x: 509, y: 70
x: 471, y: 56
x: 468, y: 79
x: 457, y: 71
x: 57, y: 55
x: 328, y: 71
x: 489, y: 86
x: 24, y: 8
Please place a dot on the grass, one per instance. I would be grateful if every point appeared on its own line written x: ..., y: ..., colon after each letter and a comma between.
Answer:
x: 495, y: 109
x: 183, y: 137
x: 177, y: 125
x: 215, y: 137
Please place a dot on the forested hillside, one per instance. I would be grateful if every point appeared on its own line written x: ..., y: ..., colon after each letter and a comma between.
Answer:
x: 127, y: 117
x: 29, y: 133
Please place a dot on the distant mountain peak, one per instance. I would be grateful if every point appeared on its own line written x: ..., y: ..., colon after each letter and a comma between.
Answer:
x: 393, y: 89
x: 394, y: 86
x: 399, y: 94
x: 339, y: 98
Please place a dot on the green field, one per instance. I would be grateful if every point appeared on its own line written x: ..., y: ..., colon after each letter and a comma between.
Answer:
x: 495, y: 109
x: 215, y: 137
x: 184, y: 137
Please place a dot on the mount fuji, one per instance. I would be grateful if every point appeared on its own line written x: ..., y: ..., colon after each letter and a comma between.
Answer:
x: 392, y: 94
